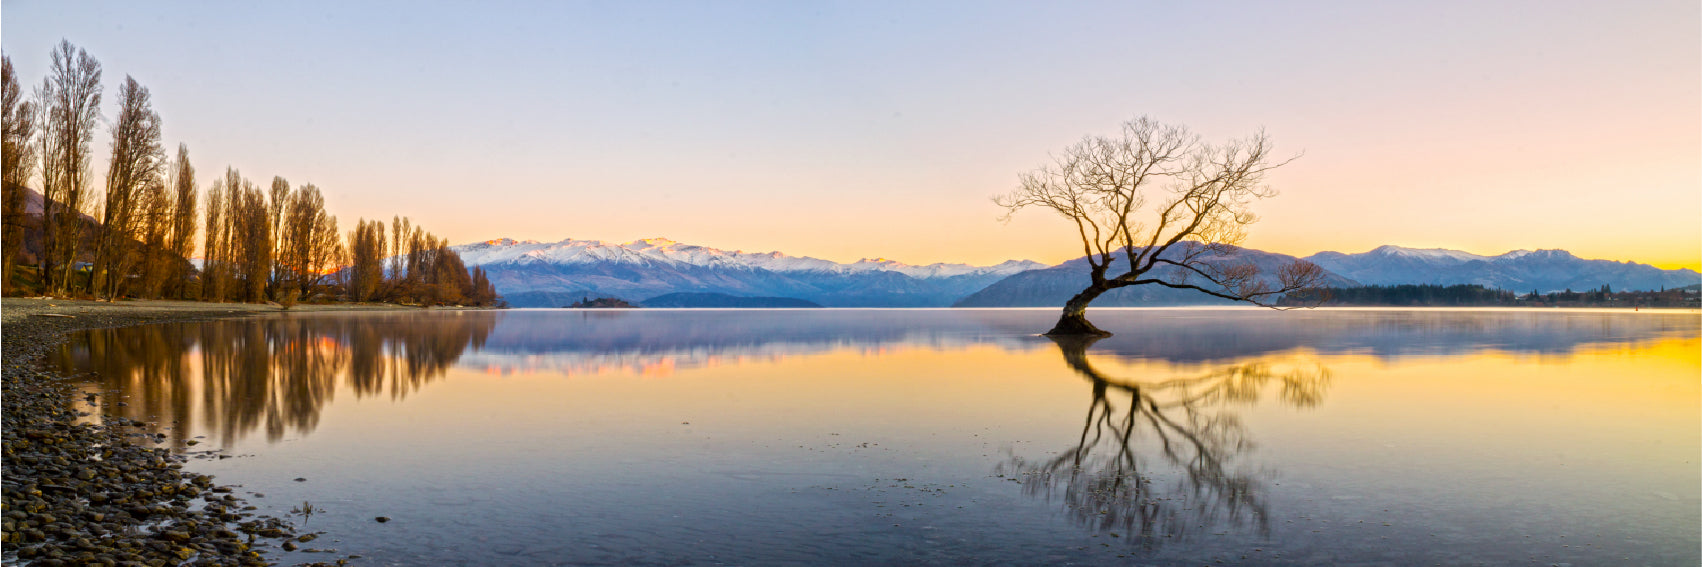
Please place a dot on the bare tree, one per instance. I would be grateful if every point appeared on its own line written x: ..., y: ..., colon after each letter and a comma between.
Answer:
x: 301, y: 212
x: 253, y: 232
x: 137, y: 163
x: 239, y: 239
x: 153, y: 206
x: 69, y: 100
x: 275, y: 204
x: 181, y: 241
x: 1172, y: 208
x: 18, y: 157
x: 325, y: 255
x: 309, y: 245
x: 213, y: 253
x: 231, y: 235
x: 366, y: 256
x: 399, y: 233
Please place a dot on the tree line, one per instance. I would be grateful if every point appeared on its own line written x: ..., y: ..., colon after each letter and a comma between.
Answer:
x: 136, y: 236
x: 1474, y: 295
x: 1402, y: 295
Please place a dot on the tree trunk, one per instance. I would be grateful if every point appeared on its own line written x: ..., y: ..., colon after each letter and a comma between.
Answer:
x: 1074, y: 320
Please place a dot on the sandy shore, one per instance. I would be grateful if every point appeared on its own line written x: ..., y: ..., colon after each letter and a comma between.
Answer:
x: 105, y: 495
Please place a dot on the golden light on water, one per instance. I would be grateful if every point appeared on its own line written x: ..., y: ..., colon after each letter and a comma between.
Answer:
x: 1298, y: 429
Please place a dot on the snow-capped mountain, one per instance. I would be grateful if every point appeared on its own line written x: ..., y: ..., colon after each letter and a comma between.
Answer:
x: 1053, y: 286
x: 1518, y: 271
x: 662, y: 250
x: 539, y: 274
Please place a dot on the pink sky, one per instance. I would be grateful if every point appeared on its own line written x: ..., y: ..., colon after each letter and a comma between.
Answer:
x: 845, y: 130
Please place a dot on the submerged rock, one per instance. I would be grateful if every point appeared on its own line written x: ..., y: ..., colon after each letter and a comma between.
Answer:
x: 87, y: 494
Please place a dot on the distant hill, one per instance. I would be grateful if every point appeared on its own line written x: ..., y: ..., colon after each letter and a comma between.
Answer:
x: 33, y: 201
x: 722, y: 300
x: 538, y: 274
x: 533, y: 274
x: 1519, y: 271
x: 88, y: 230
x: 1051, y: 287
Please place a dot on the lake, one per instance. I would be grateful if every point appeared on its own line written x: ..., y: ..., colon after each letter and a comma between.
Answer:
x: 951, y: 436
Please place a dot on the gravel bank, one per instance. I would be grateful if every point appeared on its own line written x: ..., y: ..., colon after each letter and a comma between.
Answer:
x: 105, y: 495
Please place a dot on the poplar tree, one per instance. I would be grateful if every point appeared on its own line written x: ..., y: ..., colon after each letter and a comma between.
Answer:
x: 366, y: 257
x: 181, y: 237
x: 70, y: 99
x: 213, y: 270
x: 137, y: 164
x: 154, y: 206
x: 18, y: 156
x: 398, y: 245
x: 252, y: 229
x: 309, y: 243
x: 275, y: 203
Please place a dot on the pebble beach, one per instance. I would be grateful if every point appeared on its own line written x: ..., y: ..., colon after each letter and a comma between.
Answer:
x: 82, y: 493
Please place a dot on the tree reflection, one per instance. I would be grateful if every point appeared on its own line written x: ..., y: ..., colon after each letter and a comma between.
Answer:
x: 1108, y: 480
x: 232, y: 378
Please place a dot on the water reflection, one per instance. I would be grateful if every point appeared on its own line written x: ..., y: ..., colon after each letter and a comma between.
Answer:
x: 276, y: 374
x: 1107, y: 481
x: 1425, y: 442
x: 658, y: 342
x: 230, y: 378
x: 1222, y: 336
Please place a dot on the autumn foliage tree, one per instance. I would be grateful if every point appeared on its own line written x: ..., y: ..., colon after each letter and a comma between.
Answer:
x: 155, y: 266
x: 134, y: 186
x: 69, y: 102
x: 275, y: 201
x: 309, y: 245
x: 18, y: 156
x: 1170, y: 207
x: 180, y: 235
x: 251, y: 241
x: 213, y: 251
x: 276, y: 243
x: 365, y: 274
x: 420, y: 268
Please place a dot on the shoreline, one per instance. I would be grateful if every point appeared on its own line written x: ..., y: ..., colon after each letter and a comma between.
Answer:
x: 79, y: 494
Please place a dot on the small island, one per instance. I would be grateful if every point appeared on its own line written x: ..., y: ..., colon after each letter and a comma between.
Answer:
x: 601, y: 303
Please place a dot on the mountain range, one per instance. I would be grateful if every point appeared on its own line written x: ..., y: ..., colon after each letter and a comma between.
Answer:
x: 1051, y: 287
x: 539, y: 274
x: 1518, y: 271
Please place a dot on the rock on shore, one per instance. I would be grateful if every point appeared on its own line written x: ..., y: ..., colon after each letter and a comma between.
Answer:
x: 80, y: 494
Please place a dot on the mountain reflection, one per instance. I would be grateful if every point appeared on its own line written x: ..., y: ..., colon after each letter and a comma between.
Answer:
x: 656, y: 342
x: 234, y: 377
x: 1112, y: 478
x: 230, y: 379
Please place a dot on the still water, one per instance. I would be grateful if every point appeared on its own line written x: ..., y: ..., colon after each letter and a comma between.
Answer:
x: 706, y: 437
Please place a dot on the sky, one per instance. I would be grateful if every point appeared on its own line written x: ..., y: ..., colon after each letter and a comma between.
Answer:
x: 844, y: 130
